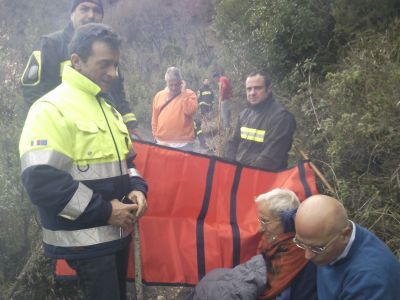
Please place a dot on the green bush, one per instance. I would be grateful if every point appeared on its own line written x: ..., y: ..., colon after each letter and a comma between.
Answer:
x: 357, y: 132
x: 275, y: 34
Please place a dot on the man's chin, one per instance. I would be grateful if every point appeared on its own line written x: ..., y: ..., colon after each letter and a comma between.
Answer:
x: 319, y: 263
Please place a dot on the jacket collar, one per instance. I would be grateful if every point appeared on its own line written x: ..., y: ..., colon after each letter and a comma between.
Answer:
x: 74, y: 78
x: 263, y: 105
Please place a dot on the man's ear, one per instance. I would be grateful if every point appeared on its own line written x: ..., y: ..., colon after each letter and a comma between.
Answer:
x: 347, y: 232
x: 76, y: 61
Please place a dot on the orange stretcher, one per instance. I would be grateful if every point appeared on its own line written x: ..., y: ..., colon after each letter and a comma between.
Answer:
x: 201, y: 213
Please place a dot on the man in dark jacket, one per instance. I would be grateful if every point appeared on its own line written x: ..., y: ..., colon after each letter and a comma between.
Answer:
x: 264, y: 131
x: 46, y: 63
x: 205, y: 97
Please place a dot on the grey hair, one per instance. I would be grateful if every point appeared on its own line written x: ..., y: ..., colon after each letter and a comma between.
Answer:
x: 173, y: 73
x: 279, y: 200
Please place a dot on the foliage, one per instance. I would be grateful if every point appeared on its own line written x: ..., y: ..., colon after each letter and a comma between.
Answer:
x: 275, y: 34
x: 357, y: 131
x: 14, y: 212
x: 352, y: 17
x: 363, y: 105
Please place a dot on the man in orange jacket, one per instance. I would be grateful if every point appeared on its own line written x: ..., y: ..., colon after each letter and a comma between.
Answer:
x: 173, y: 113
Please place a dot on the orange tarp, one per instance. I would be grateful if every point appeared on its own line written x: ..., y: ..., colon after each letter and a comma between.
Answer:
x: 201, y: 212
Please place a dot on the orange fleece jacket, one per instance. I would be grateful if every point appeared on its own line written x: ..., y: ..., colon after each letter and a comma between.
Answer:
x: 174, y: 123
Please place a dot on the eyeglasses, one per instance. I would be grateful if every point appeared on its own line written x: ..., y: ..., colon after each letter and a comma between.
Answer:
x: 266, y: 222
x: 314, y: 249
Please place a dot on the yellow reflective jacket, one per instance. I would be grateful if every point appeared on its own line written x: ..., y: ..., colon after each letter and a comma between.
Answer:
x: 76, y: 156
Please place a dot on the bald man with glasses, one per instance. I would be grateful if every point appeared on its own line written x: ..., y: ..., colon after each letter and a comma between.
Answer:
x: 352, y: 262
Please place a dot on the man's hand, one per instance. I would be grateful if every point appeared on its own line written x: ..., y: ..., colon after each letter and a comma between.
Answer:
x: 139, y: 199
x: 122, y: 214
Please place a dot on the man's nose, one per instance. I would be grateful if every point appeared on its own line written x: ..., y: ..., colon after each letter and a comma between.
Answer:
x: 112, y: 72
x: 309, y: 254
x: 91, y: 14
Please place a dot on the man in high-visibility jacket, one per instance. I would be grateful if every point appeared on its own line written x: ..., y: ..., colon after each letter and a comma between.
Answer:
x: 264, y: 131
x: 45, y: 65
x: 76, y: 158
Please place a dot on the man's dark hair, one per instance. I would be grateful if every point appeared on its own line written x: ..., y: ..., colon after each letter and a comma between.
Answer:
x: 86, y: 35
x: 264, y: 74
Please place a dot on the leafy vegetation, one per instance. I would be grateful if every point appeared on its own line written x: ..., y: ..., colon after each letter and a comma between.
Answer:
x: 335, y: 64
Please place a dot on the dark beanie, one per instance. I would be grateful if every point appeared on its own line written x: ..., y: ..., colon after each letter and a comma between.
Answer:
x: 75, y: 3
x: 287, y: 219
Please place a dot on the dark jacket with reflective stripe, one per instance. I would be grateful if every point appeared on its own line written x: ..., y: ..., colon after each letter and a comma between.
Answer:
x: 42, y: 76
x: 205, y: 94
x: 76, y: 156
x: 268, y: 150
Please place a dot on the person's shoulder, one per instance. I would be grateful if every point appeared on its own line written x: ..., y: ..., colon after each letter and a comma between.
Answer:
x: 45, y: 107
x: 161, y: 93
x: 366, y: 248
x: 189, y: 93
x: 51, y: 42
x: 54, y: 34
x: 60, y: 37
x: 276, y: 105
x: 279, y: 110
x: 368, y: 243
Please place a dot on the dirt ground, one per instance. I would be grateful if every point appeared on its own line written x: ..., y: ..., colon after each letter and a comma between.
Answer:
x: 68, y: 290
x: 160, y: 292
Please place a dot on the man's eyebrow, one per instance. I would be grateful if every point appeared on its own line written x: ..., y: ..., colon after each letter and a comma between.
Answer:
x: 106, y: 61
x: 85, y: 5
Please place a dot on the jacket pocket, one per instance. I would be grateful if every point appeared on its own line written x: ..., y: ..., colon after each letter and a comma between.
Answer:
x: 92, y: 142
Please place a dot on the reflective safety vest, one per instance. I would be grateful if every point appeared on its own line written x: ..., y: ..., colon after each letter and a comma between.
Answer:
x: 75, y: 155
